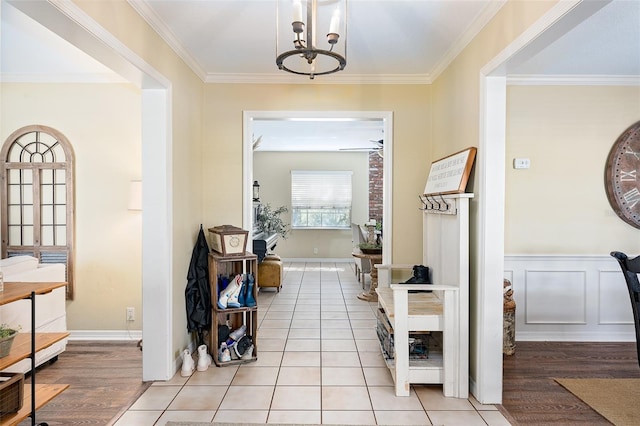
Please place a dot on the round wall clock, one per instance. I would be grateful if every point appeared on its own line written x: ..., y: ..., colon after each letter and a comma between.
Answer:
x: 622, y: 176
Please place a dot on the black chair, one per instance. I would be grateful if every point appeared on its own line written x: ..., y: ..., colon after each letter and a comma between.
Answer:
x: 631, y: 269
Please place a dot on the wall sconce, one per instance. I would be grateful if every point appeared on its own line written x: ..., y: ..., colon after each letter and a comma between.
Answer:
x: 135, y: 195
x: 256, y: 191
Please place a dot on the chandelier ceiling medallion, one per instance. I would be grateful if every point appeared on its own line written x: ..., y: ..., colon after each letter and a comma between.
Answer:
x: 297, y: 24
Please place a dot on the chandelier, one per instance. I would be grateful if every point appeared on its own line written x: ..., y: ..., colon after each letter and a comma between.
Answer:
x: 298, y: 49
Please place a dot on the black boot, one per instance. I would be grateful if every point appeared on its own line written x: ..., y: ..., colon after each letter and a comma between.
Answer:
x: 420, y: 276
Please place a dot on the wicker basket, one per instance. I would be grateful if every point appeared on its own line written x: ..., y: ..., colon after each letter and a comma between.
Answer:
x: 5, y: 344
x: 11, y: 392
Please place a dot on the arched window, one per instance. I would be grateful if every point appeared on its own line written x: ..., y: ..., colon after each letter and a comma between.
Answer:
x: 37, y: 197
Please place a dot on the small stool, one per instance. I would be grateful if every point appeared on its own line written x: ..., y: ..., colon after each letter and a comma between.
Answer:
x: 270, y: 272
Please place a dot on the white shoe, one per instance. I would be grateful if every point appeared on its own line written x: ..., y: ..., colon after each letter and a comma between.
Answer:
x: 187, y: 364
x: 232, y: 288
x: 204, y: 359
x: 233, y: 301
x: 223, y: 354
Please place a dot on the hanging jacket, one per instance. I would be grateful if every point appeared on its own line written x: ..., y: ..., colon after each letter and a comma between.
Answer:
x: 198, y: 292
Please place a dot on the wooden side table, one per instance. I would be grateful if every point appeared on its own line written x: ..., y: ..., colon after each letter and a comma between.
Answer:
x: 374, y: 259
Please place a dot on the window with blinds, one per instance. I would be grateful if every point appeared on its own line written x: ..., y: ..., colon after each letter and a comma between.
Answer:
x: 321, y: 199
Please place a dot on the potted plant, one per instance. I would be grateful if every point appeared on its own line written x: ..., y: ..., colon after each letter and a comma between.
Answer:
x: 7, y: 334
x: 370, y: 248
x: 268, y: 220
x: 373, y: 244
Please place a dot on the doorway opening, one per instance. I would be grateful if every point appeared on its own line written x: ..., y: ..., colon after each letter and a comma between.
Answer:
x: 381, y: 121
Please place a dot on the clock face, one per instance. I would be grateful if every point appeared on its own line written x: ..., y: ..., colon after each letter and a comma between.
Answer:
x: 622, y: 176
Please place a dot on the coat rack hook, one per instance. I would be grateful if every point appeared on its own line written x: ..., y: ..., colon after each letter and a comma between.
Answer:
x: 431, y: 202
x: 422, y: 199
x: 445, y: 203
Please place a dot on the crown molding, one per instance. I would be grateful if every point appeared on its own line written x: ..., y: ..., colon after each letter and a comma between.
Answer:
x: 61, y: 78
x: 480, y: 21
x: 338, y: 78
x: 158, y: 25
x: 572, y: 80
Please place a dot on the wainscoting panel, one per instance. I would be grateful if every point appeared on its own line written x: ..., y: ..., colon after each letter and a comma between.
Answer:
x: 613, y: 296
x: 555, y: 297
x: 569, y: 298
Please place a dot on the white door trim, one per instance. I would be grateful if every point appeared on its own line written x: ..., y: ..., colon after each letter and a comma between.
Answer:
x: 487, y: 387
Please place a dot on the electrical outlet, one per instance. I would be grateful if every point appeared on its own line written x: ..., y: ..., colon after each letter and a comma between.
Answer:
x: 315, y: 250
x: 131, y: 314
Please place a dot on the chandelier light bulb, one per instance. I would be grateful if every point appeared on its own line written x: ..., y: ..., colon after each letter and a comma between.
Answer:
x: 335, y: 22
x: 297, y: 11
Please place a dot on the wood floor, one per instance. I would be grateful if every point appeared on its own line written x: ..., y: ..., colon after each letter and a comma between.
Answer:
x: 532, y: 397
x: 106, y: 378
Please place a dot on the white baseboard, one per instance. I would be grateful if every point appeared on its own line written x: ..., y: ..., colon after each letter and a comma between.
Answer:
x: 559, y: 336
x: 115, y: 335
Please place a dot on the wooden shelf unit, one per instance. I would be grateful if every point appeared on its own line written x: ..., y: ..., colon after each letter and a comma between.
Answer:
x: 21, y: 348
x: 25, y: 346
x: 233, y: 317
x: 44, y: 394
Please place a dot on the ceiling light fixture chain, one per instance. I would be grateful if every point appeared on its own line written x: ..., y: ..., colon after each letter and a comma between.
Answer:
x: 306, y: 58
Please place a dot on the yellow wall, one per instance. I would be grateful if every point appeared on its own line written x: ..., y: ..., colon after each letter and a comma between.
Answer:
x: 102, y: 123
x: 224, y: 104
x: 273, y: 171
x: 559, y: 205
x: 429, y: 122
x: 186, y: 175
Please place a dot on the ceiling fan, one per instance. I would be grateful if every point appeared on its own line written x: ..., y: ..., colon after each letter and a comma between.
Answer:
x: 377, y: 147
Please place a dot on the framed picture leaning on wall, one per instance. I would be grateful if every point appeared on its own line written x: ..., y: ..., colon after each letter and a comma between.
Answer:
x: 449, y: 175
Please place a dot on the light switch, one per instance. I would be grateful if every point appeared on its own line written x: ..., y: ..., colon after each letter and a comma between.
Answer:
x: 521, y: 163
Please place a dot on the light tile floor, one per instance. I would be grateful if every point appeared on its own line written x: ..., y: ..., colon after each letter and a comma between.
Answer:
x: 319, y: 362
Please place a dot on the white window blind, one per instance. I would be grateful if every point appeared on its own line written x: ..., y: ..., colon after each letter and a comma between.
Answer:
x: 321, y: 199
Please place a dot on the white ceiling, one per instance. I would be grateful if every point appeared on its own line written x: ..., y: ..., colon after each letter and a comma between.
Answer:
x: 230, y: 39
x: 389, y: 41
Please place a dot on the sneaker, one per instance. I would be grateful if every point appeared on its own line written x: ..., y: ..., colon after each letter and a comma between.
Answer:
x: 225, y: 295
x: 241, y: 347
x: 242, y: 294
x: 236, y: 284
x: 204, y: 359
x: 223, y: 354
x: 248, y: 353
x: 187, y: 364
x: 238, y: 333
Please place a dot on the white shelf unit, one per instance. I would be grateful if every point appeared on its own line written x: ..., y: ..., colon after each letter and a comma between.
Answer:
x: 445, y: 309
